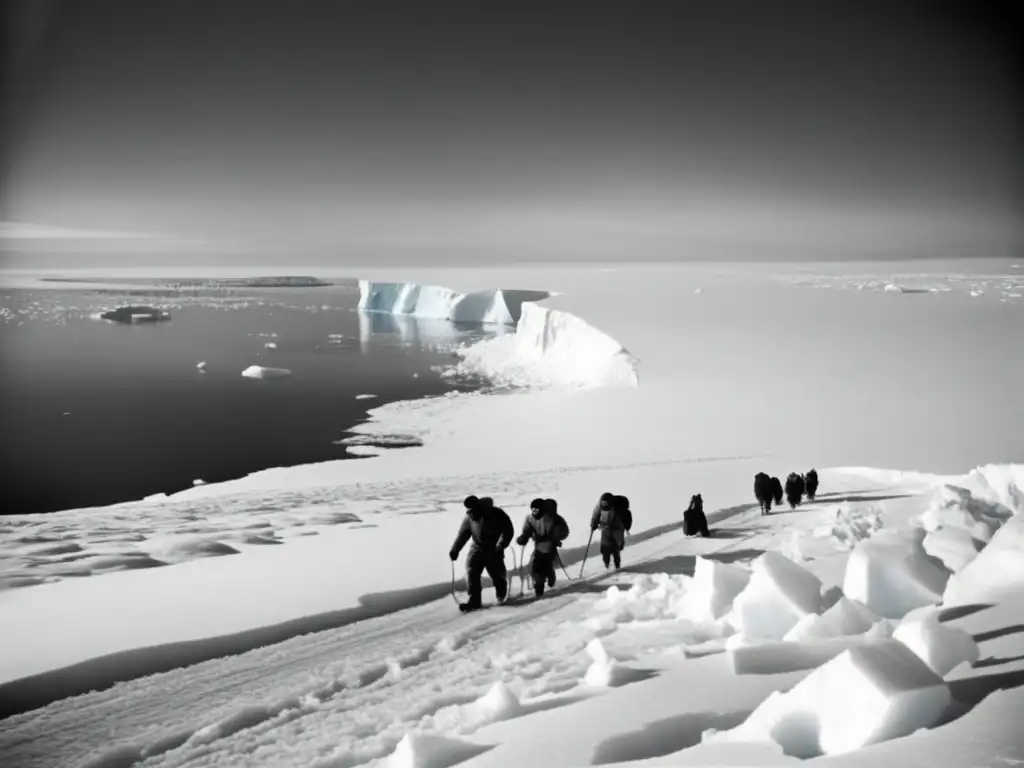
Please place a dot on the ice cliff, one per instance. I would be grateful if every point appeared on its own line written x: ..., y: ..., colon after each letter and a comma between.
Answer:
x: 435, y: 302
x: 550, y: 347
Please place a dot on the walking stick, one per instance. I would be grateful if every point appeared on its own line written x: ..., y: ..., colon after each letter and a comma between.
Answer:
x: 586, y: 552
x: 456, y: 599
x: 522, y: 570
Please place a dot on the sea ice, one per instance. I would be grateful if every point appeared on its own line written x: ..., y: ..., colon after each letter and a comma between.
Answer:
x: 941, y: 647
x: 997, y: 571
x: 259, y: 372
x: 775, y: 658
x: 867, y: 694
x: 954, y: 546
x: 845, y: 617
x: 713, y: 589
x: 602, y: 670
x: 891, y: 574
x: 778, y: 595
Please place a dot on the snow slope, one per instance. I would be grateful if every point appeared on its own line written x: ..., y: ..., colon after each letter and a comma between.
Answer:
x: 619, y: 669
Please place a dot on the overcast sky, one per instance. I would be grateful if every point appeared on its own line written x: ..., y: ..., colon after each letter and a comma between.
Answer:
x: 438, y: 131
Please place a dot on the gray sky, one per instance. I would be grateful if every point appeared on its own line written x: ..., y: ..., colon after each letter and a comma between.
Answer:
x: 439, y: 131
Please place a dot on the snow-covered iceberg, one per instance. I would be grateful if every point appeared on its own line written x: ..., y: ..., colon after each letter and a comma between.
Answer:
x: 435, y: 302
x: 550, y: 347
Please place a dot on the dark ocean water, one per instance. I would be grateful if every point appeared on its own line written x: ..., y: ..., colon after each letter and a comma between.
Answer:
x: 96, y: 413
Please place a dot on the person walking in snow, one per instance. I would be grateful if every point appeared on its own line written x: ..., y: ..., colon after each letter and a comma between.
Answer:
x: 611, y: 516
x: 491, y: 531
x: 694, y: 520
x: 548, y: 529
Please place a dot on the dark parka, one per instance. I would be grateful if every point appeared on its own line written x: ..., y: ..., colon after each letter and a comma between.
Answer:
x: 548, y: 530
x: 613, y: 521
x: 491, y: 531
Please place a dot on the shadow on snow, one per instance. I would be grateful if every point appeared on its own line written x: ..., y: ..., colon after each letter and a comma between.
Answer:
x: 102, y: 672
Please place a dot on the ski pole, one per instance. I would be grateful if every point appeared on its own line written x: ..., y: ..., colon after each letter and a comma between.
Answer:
x: 586, y: 552
x: 453, y: 584
x: 562, y: 565
x: 522, y: 570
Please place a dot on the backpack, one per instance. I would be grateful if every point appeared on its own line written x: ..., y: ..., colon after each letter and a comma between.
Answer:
x: 561, y: 528
x: 627, y: 519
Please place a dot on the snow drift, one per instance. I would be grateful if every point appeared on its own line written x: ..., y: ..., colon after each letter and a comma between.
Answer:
x: 892, y: 574
x: 549, y: 347
x: 868, y: 694
x: 998, y: 571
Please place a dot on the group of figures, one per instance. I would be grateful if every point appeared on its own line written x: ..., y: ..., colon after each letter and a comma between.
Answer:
x: 769, y: 489
x: 491, y: 532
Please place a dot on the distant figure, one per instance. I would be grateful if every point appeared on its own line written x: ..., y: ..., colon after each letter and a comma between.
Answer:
x: 811, y: 484
x: 694, y: 520
x: 491, y: 531
x: 794, y: 489
x: 777, y: 491
x: 548, y: 529
x: 763, y: 491
x: 611, y: 517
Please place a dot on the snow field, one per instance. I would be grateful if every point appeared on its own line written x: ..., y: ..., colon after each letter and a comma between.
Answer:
x: 424, y: 687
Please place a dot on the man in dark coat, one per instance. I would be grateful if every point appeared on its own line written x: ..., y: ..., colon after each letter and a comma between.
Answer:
x: 694, y: 519
x: 794, y: 489
x: 611, y: 517
x: 811, y: 484
x: 491, y: 531
x: 763, y: 491
x: 548, y: 529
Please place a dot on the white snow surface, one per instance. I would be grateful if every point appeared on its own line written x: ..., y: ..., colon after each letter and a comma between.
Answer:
x: 780, y: 594
x: 997, y: 571
x: 942, y: 648
x: 891, y: 573
x: 867, y: 694
x: 509, y: 686
x: 258, y: 623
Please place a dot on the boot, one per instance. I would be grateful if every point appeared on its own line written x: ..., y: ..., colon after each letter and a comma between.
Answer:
x: 473, y: 604
x: 538, y: 589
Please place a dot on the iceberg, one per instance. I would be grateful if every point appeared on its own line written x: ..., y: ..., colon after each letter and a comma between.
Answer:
x: 434, y: 302
x: 260, y: 372
x: 550, y: 347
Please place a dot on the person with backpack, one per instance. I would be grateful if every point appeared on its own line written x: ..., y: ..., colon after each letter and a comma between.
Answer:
x: 491, y: 531
x: 548, y: 529
x: 611, y: 515
x: 694, y: 520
